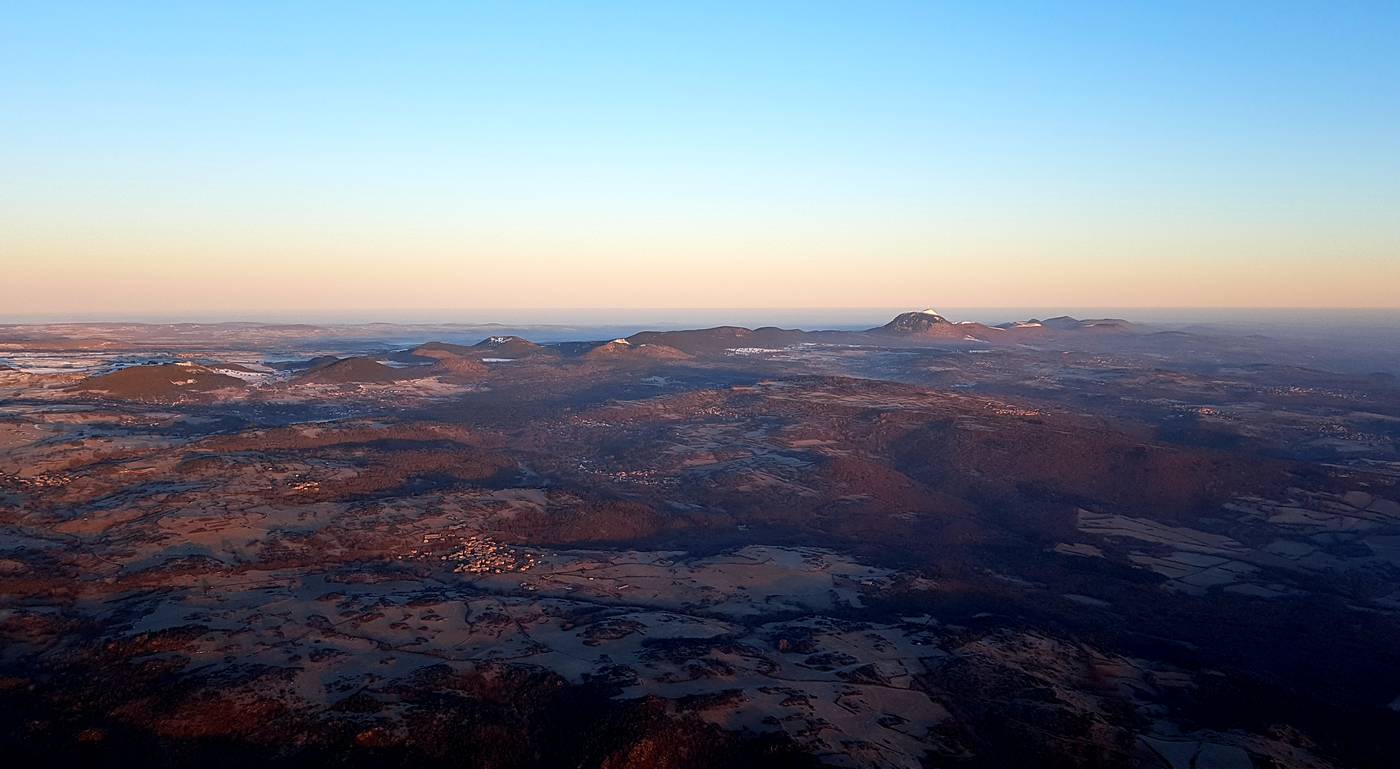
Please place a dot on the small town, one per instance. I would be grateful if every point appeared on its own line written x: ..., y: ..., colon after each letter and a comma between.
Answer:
x: 474, y: 554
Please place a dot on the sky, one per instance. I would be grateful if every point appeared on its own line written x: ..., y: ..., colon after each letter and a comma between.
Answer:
x: 301, y: 157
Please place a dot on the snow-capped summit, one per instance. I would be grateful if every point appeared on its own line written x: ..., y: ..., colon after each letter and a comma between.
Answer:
x: 916, y: 322
x: 503, y: 341
x: 619, y: 350
x: 509, y: 347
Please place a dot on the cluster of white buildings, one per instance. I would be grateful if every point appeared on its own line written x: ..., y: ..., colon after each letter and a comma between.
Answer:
x: 478, y: 554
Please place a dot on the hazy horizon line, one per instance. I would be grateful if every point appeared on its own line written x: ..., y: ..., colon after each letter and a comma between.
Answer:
x: 602, y: 315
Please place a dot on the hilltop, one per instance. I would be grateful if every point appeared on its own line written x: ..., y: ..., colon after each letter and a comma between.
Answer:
x: 623, y: 350
x: 929, y: 324
x: 160, y: 382
x: 358, y: 370
x: 509, y: 347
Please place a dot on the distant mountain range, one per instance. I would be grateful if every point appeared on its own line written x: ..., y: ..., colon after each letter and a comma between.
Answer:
x: 928, y: 323
x: 918, y: 327
x: 466, y: 363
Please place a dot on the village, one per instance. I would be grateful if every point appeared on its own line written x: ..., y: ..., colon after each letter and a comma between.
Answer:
x: 473, y: 554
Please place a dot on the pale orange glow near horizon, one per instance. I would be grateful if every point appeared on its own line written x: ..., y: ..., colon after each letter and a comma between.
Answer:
x: 136, y: 272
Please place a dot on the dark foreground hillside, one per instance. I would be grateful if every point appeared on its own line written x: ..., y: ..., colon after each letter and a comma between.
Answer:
x: 900, y: 553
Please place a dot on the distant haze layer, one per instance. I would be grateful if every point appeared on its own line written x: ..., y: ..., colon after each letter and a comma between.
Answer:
x: 556, y: 323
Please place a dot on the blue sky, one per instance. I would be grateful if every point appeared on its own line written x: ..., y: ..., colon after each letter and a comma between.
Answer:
x: 630, y: 154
